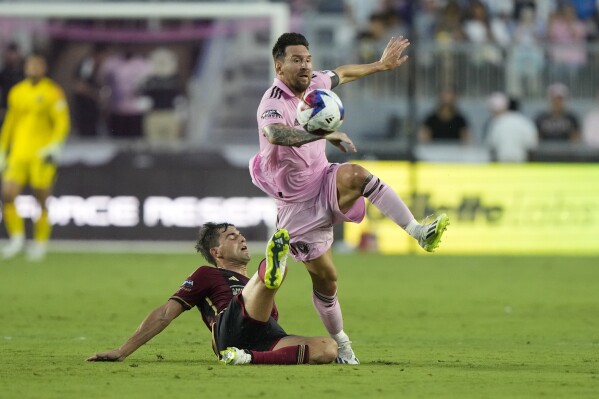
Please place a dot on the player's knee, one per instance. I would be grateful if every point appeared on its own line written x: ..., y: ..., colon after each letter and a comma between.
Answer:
x: 326, y: 285
x: 325, y: 351
x: 352, y: 176
x: 9, y: 195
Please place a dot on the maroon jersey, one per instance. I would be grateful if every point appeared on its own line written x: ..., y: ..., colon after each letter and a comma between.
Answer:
x: 211, y: 289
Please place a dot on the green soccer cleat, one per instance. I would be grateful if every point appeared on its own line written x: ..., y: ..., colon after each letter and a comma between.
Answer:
x: 431, y: 233
x: 232, y: 356
x: 277, y: 250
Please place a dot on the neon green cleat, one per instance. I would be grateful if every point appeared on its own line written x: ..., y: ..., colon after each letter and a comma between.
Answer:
x: 232, y: 356
x: 431, y: 233
x: 277, y: 250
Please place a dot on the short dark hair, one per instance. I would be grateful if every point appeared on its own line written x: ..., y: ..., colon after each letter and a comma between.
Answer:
x: 288, y: 39
x: 208, y: 238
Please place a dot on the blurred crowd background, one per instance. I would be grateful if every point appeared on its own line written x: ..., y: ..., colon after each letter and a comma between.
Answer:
x: 487, y: 80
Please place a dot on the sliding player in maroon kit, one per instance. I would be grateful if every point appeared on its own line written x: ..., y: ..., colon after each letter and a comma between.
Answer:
x: 239, y: 311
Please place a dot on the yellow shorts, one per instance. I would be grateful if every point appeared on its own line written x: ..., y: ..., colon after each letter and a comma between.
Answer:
x: 35, y: 172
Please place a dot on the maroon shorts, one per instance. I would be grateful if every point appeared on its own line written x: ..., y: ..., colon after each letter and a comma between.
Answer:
x: 235, y: 328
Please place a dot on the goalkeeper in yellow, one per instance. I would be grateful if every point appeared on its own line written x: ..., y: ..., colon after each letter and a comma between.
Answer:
x: 36, y: 125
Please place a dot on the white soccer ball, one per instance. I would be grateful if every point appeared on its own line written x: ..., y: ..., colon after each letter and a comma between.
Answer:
x: 320, y: 112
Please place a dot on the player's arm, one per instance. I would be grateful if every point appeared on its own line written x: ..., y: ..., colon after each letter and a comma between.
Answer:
x: 391, y: 59
x: 60, y: 117
x: 284, y: 135
x: 59, y: 114
x: 152, y: 325
x: 8, y: 125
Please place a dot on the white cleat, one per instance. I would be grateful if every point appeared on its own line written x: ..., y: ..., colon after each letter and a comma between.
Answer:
x: 14, y: 247
x: 233, y: 355
x: 345, y: 354
x: 36, y: 252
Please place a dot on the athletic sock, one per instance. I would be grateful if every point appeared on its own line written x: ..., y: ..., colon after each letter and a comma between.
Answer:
x: 42, y: 227
x: 329, y: 310
x: 15, y: 226
x: 262, y: 269
x: 387, y: 201
x: 341, y: 337
x: 299, y: 354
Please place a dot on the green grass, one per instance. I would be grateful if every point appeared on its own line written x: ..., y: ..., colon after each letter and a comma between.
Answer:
x: 423, y: 327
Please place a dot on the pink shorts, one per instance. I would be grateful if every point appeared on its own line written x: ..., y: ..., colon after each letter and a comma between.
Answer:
x: 310, y: 223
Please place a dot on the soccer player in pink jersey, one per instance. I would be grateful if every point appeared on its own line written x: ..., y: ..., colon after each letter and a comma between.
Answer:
x: 238, y: 310
x: 312, y: 194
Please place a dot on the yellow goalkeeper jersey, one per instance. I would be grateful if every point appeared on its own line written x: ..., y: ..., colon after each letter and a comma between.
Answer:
x: 37, y: 115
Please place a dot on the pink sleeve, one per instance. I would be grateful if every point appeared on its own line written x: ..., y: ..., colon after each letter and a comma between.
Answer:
x: 270, y: 111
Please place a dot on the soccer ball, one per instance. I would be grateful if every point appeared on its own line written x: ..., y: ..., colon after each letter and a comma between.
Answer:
x: 320, y: 112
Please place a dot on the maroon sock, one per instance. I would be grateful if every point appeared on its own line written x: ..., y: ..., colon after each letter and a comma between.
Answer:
x: 299, y: 354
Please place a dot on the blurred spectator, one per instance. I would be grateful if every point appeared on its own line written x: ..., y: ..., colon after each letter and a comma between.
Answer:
x: 449, y: 25
x: 590, y: 126
x: 11, y: 74
x: 446, y: 122
x: 567, y: 37
x: 122, y: 76
x: 584, y: 8
x: 488, y: 32
x: 557, y: 124
x: 86, y: 104
x: 526, y: 58
x: 424, y: 23
x: 164, y: 89
x: 360, y: 11
x: 372, y: 41
x: 448, y: 33
x: 511, y: 135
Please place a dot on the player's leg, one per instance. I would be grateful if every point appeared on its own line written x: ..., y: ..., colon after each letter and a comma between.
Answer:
x: 324, y: 298
x: 259, y: 292
x: 289, y: 350
x: 42, y: 181
x: 15, y: 226
x: 13, y: 180
x: 353, y: 182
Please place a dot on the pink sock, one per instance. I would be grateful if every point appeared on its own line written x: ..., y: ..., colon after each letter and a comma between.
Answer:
x: 387, y: 201
x: 298, y: 354
x: 329, y: 311
x: 262, y: 269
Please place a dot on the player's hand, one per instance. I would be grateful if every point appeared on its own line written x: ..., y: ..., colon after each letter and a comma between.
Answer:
x: 392, y: 55
x: 341, y: 141
x: 112, y: 356
x: 50, y: 153
x: 2, y: 161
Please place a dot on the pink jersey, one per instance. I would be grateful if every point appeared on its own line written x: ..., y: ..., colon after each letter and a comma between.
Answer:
x: 288, y: 174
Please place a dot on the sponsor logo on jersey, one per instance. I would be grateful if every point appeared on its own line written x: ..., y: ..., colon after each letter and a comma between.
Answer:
x: 296, y: 123
x: 187, y: 284
x: 271, y: 113
x: 233, y: 278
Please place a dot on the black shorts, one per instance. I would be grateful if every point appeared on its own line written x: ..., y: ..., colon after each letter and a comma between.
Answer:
x: 235, y: 328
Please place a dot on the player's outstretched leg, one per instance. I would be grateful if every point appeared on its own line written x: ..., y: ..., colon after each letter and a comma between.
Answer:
x: 430, y: 233
x: 233, y: 355
x: 277, y: 250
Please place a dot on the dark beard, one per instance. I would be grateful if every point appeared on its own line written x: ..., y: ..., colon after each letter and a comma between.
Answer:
x: 299, y: 88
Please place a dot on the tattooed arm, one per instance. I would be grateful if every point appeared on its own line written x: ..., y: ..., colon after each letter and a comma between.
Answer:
x: 280, y: 134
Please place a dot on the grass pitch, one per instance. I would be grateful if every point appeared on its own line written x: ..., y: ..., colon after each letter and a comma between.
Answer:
x: 423, y: 327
